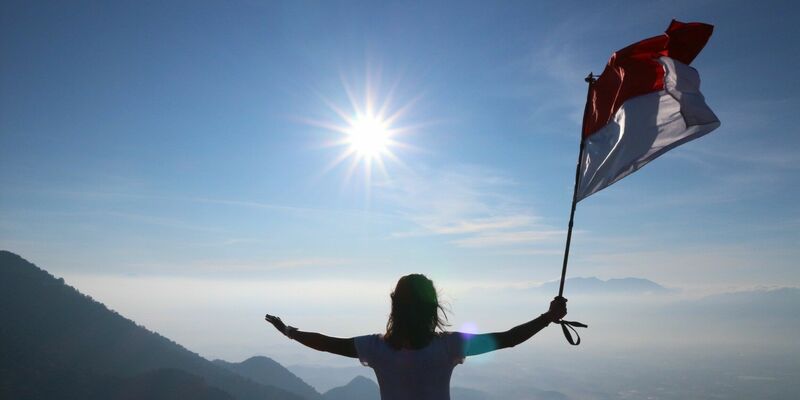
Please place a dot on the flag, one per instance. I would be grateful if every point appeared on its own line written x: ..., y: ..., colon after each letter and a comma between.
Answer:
x: 646, y: 102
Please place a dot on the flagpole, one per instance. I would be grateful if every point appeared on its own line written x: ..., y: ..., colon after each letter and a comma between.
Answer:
x: 571, y: 219
x: 567, y: 326
x: 590, y: 80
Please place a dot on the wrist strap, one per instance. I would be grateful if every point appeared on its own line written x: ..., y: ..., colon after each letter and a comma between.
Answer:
x: 567, y: 326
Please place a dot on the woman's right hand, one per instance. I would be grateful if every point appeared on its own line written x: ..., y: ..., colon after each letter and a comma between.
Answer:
x: 558, y: 308
x: 276, y: 322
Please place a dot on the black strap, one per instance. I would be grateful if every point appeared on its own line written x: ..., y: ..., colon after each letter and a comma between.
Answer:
x: 567, y: 326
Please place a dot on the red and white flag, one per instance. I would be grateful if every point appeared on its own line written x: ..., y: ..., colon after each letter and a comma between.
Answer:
x: 646, y: 102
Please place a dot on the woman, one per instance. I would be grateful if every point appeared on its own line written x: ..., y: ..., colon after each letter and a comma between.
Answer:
x: 413, y: 360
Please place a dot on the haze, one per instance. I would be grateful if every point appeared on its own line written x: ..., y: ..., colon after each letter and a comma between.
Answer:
x: 189, y: 167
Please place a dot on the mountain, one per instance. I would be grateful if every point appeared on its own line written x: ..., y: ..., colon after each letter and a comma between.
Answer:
x: 59, y: 343
x: 163, y: 384
x: 594, y: 286
x: 267, y: 371
x: 324, y: 378
x: 360, y: 388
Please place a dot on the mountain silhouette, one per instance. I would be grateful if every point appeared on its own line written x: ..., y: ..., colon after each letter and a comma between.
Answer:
x: 162, y: 384
x: 59, y: 343
x: 267, y: 371
x: 360, y: 388
x: 324, y: 378
x: 594, y: 286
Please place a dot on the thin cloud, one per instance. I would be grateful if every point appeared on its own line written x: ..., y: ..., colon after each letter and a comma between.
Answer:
x: 308, y: 262
x: 477, y: 225
x: 242, y: 266
x: 472, y: 204
x: 493, y: 239
x: 159, y: 221
x: 103, y: 196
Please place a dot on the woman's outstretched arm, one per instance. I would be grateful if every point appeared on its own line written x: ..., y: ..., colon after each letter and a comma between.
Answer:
x: 484, y: 343
x: 317, y: 341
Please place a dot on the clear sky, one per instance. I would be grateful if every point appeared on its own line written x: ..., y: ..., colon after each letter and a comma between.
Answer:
x: 194, y: 140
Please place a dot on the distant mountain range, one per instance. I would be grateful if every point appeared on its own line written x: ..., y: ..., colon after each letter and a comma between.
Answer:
x: 595, y: 286
x: 56, y: 343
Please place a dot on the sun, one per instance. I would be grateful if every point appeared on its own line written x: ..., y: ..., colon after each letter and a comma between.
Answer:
x: 370, y: 133
x: 369, y: 136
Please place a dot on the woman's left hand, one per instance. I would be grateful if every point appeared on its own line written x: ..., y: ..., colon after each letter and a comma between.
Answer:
x: 558, y: 308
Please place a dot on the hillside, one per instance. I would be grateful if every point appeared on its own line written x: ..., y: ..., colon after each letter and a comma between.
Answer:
x: 360, y: 388
x: 59, y: 343
x: 267, y: 371
x: 162, y: 384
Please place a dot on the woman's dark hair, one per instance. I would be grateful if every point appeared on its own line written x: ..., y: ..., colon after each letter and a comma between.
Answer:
x: 415, y: 313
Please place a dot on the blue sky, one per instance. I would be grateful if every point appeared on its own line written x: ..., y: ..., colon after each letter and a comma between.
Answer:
x: 182, y: 140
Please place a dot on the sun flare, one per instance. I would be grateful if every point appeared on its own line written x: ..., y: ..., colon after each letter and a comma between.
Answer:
x: 368, y: 133
x: 369, y: 136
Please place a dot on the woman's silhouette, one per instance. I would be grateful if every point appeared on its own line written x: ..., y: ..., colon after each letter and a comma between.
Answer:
x: 415, y: 358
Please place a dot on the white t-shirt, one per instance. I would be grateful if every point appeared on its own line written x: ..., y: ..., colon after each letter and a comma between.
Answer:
x: 422, y: 374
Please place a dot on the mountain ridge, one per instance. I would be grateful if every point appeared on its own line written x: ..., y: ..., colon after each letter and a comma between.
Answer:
x: 50, y: 330
x: 267, y: 371
x: 359, y: 388
x: 594, y: 285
